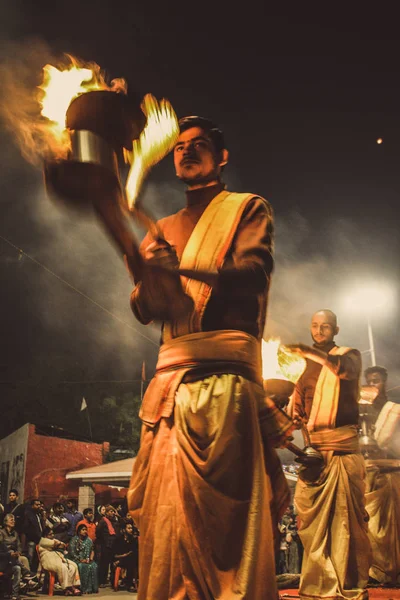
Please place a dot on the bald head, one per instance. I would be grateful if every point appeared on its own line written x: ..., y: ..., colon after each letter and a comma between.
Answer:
x: 323, y: 327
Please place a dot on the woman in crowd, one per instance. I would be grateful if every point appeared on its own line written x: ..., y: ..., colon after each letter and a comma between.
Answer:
x: 126, y: 555
x: 59, y: 522
x: 82, y: 553
x: 52, y: 558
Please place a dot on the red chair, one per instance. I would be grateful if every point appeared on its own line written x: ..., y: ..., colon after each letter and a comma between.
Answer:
x: 51, y: 575
x: 117, y: 576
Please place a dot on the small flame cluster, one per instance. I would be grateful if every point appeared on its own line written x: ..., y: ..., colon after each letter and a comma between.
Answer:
x: 61, y: 86
x: 279, y: 363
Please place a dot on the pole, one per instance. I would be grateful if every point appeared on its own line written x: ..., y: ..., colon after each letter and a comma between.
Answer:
x: 371, y: 342
x: 90, y: 426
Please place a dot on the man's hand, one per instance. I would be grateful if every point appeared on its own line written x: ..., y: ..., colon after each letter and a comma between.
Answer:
x: 297, y: 421
x: 162, y: 255
x: 308, y: 352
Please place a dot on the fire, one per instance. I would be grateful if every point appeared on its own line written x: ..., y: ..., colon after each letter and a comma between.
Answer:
x: 279, y: 363
x: 156, y: 140
x: 60, y: 86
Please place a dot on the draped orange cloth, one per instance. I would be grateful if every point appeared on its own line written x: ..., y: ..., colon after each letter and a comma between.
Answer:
x: 207, y: 487
x: 383, y: 506
x: 333, y: 519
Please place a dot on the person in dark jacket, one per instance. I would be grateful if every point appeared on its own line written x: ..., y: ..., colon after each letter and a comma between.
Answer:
x: 33, y: 528
x: 126, y: 555
x: 105, y: 536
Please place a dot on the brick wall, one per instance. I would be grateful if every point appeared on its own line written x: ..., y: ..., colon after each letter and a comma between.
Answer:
x: 50, y: 458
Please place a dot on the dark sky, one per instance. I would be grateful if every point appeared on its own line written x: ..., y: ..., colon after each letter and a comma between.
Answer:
x: 302, y: 99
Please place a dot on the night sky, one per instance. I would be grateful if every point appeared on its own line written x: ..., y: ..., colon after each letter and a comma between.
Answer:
x: 302, y: 99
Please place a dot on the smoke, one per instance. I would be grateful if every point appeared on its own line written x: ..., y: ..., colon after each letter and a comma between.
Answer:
x: 315, y: 270
x: 20, y: 72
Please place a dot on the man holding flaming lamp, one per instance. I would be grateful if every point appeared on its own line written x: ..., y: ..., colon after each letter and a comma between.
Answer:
x: 207, y: 488
x: 330, y: 503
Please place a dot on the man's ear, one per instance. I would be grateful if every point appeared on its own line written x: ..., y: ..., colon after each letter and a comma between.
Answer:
x: 224, y: 157
x: 336, y: 330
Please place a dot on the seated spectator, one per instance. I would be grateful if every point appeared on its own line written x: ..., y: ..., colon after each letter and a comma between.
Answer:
x: 60, y: 523
x: 9, y: 583
x: 81, y: 551
x: 73, y: 515
x: 21, y: 575
x: 126, y: 555
x: 105, y: 536
x: 88, y: 520
x: 32, y: 529
x: 15, y: 508
x: 52, y: 558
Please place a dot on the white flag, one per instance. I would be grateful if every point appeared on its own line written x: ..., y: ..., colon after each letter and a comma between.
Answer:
x: 83, y: 405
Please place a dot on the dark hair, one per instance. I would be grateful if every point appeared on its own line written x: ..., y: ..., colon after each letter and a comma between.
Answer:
x: 87, y: 510
x: 46, y: 531
x: 14, y: 491
x: 215, y: 134
x: 58, y: 505
x: 80, y: 527
x: 34, y: 500
x: 377, y: 369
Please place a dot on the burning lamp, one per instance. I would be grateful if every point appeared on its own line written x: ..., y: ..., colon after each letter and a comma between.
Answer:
x: 281, y: 371
x: 100, y: 126
x: 88, y: 126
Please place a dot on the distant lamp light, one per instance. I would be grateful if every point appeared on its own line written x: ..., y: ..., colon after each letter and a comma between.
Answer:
x: 379, y: 141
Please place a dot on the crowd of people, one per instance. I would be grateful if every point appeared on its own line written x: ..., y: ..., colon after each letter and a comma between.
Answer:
x: 82, y: 549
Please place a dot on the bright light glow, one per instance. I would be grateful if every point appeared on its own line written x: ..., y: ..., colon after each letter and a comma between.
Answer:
x: 369, y: 298
x: 60, y: 86
x: 156, y: 140
x: 279, y: 363
x: 379, y: 141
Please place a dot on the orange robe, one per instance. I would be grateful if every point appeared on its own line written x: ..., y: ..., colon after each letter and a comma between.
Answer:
x: 207, y: 487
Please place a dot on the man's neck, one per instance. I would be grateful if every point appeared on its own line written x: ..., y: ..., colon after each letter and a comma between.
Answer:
x: 9, y: 530
x: 325, y: 347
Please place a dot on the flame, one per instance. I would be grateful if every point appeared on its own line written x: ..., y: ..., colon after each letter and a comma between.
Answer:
x: 62, y: 85
x: 279, y: 363
x: 156, y: 140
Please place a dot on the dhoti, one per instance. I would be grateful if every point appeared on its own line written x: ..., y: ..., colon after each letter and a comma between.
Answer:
x: 207, y: 487
x: 383, y: 506
x: 333, y: 521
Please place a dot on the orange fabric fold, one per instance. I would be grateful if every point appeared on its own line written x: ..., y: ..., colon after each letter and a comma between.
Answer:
x: 207, y: 487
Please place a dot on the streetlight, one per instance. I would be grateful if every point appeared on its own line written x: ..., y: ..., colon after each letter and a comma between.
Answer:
x: 367, y: 299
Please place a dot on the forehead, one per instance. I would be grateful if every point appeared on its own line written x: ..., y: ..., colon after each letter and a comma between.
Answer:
x: 321, y: 318
x: 191, y: 134
x: 374, y: 375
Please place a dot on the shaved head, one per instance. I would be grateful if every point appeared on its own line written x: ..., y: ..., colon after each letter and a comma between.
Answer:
x: 323, y: 327
x: 329, y: 316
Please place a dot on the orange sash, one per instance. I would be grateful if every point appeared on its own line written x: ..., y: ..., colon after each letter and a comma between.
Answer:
x: 326, y: 396
x: 206, y: 250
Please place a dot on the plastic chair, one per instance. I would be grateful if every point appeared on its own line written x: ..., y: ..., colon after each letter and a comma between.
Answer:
x: 51, y: 575
x: 117, y: 576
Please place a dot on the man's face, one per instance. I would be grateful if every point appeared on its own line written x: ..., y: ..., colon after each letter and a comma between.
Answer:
x: 323, y: 329
x: 12, y: 496
x: 376, y: 379
x: 69, y: 505
x: 89, y: 515
x: 59, y: 510
x: 36, y: 506
x: 195, y: 158
x: 110, y: 513
x: 129, y: 528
